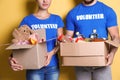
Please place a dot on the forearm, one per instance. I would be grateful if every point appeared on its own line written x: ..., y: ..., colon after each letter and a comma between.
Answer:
x: 54, y: 51
x: 56, y: 48
x: 113, y: 50
x: 69, y: 33
x: 114, y: 34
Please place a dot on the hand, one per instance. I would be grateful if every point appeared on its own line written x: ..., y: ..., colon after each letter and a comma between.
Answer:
x: 48, y: 58
x: 63, y: 38
x: 66, y: 39
x: 14, y: 64
x: 110, y: 58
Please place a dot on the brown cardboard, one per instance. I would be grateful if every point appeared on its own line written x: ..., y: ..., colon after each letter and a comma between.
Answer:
x: 83, y: 49
x: 85, y: 53
x: 30, y: 56
x: 113, y: 43
x: 41, y: 33
x: 84, y: 61
x: 13, y: 46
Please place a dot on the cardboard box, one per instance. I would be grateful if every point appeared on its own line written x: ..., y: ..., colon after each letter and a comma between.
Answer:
x: 85, y: 53
x: 84, y: 61
x: 30, y: 56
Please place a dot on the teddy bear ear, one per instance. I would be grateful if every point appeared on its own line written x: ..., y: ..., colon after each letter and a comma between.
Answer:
x: 19, y: 28
x: 15, y: 33
x: 24, y: 25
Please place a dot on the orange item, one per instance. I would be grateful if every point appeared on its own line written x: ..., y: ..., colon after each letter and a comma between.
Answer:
x: 32, y: 41
x: 79, y: 39
x: 60, y: 37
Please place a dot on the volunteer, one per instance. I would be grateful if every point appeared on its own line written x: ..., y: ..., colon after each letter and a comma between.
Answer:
x: 88, y: 16
x: 53, y: 25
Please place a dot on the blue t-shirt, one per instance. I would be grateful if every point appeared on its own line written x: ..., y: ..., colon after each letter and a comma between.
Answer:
x: 84, y: 19
x: 51, y: 26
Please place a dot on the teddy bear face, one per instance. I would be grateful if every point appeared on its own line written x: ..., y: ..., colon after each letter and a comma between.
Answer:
x: 22, y: 34
x: 25, y: 30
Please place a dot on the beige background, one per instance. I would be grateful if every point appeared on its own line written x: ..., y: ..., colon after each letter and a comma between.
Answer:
x: 11, y: 14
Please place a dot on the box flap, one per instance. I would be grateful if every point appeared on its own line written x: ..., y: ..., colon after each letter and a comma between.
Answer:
x: 113, y: 43
x: 14, y: 46
x: 41, y: 33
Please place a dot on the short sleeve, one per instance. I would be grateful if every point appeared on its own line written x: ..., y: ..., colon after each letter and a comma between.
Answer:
x: 69, y: 22
x: 60, y: 22
x: 23, y: 22
x: 111, y: 18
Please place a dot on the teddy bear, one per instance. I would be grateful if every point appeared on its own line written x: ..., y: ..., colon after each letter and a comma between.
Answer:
x: 24, y: 35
